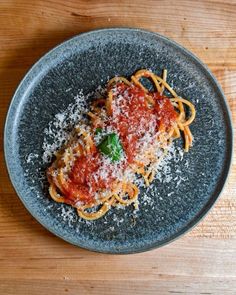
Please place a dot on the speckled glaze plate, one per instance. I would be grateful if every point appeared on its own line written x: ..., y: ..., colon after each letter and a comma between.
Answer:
x: 84, y: 62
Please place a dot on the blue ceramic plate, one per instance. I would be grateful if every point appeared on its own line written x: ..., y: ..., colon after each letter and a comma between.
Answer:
x: 188, y: 187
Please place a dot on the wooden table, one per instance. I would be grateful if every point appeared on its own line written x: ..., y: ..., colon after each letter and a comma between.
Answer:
x: 32, y: 260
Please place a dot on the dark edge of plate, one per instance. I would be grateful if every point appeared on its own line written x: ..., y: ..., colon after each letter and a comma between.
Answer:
x: 211, y: 201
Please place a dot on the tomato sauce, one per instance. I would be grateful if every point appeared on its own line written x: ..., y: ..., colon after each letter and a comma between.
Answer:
x: 85, y: 180
x: 132, y: 117
x: 164, y: 110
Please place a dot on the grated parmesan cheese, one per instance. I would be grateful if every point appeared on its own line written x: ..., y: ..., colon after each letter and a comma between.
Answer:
x: 59, y: 131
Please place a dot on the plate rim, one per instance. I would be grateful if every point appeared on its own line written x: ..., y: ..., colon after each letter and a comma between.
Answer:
x: 210, y: 203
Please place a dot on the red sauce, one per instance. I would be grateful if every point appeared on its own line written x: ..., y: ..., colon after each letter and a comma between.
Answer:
x: 84, y: 179
x: 164, y: 110
x: 132, y: 118
x: 85, y: 169
x: 75, y: 193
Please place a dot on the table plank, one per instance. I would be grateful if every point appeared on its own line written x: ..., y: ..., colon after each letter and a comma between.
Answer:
x: 33, y: 261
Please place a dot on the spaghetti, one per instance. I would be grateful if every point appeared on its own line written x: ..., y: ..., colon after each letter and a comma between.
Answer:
x: 127, y: 135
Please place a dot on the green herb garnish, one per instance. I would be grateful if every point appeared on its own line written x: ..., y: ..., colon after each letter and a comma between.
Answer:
x: 111, y: 147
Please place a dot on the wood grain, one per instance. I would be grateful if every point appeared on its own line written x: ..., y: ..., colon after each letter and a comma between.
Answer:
x: 33, y: 261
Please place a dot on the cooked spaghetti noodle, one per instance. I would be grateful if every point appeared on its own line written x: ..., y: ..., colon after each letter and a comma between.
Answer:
x: 128, y: 133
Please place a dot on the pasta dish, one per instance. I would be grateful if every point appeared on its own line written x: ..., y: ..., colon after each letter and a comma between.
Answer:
x: 124, y: 137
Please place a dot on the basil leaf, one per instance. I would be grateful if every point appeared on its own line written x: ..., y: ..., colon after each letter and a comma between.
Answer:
x: 111, y: 147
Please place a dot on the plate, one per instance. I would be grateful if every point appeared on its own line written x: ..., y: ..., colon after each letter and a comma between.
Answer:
x: 186, y: 189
